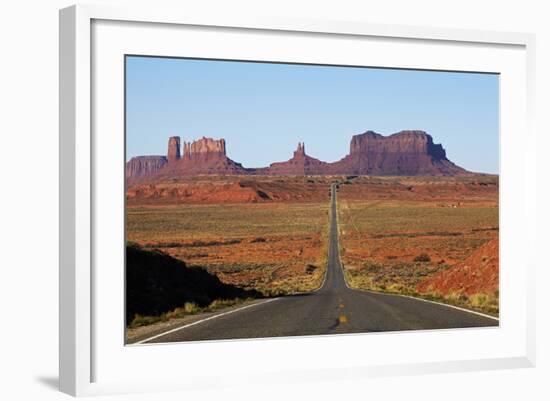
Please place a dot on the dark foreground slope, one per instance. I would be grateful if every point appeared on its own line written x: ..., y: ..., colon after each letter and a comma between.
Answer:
x: 157, y: 283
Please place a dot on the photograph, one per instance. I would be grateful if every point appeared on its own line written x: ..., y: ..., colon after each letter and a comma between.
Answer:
x: 270, y: 199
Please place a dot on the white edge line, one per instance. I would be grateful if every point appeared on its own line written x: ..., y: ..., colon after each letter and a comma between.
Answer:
x: 419, y: 299
x: 203, y: 320
x: 406, y: 296
x: 444, y: 304
x: 424, y: 300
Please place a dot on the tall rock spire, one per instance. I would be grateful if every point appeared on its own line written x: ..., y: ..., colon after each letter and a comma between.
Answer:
x: 300, y: 151
x: 173, y: 148
x: 186, y: 150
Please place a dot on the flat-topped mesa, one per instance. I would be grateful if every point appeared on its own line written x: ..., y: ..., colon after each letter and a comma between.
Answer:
x: 403, y: 142
x: 204, y: 147
x: 141, y: 166
x: 402, y: 153
x: 174, y: 146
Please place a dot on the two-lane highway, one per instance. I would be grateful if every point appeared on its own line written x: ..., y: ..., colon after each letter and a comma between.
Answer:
x: 333, y: 308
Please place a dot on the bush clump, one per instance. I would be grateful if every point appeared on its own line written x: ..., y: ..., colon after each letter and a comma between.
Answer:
x: 423, y: 257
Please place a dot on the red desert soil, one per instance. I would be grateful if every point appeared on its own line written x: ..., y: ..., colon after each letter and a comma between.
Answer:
x: 220, y: 189
x: 477, y: 274
x: 449, y: 191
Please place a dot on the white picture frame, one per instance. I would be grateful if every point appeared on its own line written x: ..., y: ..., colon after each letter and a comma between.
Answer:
x: 81, y: 344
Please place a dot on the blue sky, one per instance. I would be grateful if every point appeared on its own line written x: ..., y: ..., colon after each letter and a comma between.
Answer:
x: 263, y: 110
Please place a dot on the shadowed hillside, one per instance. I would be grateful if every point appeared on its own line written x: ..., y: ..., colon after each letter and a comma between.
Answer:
x: 157, y: 283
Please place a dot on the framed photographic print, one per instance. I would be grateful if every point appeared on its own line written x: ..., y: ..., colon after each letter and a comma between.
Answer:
x: 247, y: 191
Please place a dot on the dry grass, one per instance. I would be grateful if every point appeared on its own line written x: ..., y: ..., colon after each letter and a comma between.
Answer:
x: 404, y: 230
x: 275, y: 248
x: 391, y: 245
x: 405, y: 285
x: 189, y: 308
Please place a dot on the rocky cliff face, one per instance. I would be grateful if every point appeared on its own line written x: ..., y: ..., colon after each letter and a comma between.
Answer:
x: 403, y: 153
x: 174, y: 147
x: 203, y: 156
x: 204, y: 148
x: 142, y: 166
x: 404, y: 142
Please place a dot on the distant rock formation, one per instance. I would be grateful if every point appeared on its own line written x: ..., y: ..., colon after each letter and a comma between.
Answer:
x: 300, y: 164
x: 174, y: 147
x: 203, y: 156
x: 205, y: 148
x: 144, y: 166
x: 403, y: 153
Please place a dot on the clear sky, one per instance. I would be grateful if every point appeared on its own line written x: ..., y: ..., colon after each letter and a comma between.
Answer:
x: 263, y: 109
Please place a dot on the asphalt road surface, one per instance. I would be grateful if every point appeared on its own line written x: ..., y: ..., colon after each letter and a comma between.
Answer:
x: 332, y: 309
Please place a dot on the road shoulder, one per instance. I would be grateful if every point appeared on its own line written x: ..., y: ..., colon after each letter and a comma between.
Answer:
x: 138, y: 334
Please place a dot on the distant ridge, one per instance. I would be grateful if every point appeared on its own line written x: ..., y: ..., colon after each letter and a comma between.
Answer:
x: 405, y: 153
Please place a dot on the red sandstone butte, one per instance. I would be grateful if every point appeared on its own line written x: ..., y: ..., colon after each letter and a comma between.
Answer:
x: 203, y: 156
x: 403, y: 153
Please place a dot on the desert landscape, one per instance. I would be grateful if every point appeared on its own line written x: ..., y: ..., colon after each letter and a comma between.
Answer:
x: 430, y: 232
x: 435, y: 237
x: 275, y: 247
